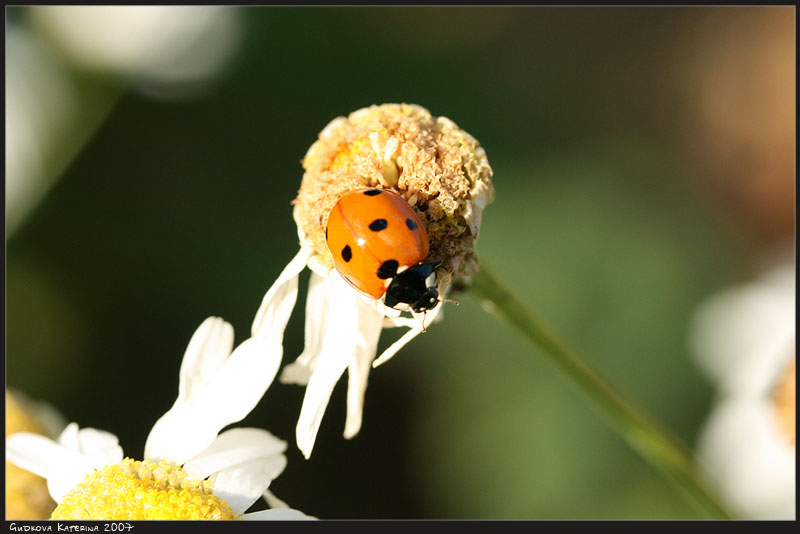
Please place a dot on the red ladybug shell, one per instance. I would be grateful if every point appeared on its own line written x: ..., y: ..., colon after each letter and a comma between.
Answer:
x: 371, y: 234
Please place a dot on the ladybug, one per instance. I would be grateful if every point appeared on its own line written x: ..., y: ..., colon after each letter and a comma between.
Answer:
x: 378, y: 243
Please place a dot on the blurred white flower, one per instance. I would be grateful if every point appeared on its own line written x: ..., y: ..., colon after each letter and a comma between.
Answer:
x: 744, y: 337
x: 160, y: 51
x: 163, y: 50
x: 190, y: 469
x: 39, y: 110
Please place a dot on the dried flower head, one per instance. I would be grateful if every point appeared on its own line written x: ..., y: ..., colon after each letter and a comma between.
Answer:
x: 439, y: 169
x: 443, y: 174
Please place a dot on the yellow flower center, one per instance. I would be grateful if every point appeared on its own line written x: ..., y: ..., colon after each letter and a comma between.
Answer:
x: 784, y: 396
x: 142, y: 490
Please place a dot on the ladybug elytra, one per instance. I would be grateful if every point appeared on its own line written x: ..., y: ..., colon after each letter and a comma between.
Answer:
x: 378, y: 244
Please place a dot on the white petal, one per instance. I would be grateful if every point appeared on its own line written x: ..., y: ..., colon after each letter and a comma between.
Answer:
x: 738, y: 334
x: 63, y: 467
x: 316, y: 307
x: 188, y: 428
x: 340, y: 338
x: 69, y: 437
x: 749, y: 460
x: 397, y: 345
x: 370, y: 322
x: 277, y: 514
x: 232, y: 447
x: 393, y: 322
x: 423, y: 321
x: 101, y: 447
x: 242, y: 485
x: 278, y: 303
x: 211, y: 343
x: 179, y: 434
x: 273, y: 501
x: 426, y: 319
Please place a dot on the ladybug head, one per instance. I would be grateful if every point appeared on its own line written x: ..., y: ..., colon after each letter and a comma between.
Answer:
x: 414, y: 288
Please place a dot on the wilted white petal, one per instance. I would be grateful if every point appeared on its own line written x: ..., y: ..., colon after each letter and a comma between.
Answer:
x: 188, y: 428
x: 277, y: 514
x: 340, y: 338
x: 208, y: 348
x: 397, y: 345
x: 278, y: 303
x: 242, y: 485
x: 481, y: 194
x: 370, y: 323
x: 233, y: 447
x: 64, y: 468
x: 426, y: 319
x: 394, y: 322
x: 316, y: 309
x: 101, y: 447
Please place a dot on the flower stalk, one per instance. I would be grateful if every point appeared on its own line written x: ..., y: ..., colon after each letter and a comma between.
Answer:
x: 645, y: 436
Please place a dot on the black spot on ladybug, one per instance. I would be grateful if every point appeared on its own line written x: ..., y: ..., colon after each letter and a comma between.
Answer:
x: 372, y: 192
x: 411, y: 224
x: 347, y: 253
x: 388, y: 269
x: 378, y: 224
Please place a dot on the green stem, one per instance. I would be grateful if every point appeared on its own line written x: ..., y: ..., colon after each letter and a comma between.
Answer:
x: 664, y: 452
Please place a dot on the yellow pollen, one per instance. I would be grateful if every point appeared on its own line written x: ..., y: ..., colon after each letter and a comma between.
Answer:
x: 784, y: 396
x: 142, y: 490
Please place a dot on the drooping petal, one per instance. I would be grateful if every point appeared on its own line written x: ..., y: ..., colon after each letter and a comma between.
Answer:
x: 64, y: 468
x: 370, y: 323
x: 232, y: 447
x: 242, y: 485
x: 188, y: 428
x: 278, y: 303
x: 341, y: 336
x: 211, y: 343
x: 277, y: 514
x: 300, y: 370
x: 423, y: 321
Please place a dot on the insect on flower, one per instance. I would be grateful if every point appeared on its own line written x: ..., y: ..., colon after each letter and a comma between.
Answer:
x: 387, y: 216
x: 378, y: 245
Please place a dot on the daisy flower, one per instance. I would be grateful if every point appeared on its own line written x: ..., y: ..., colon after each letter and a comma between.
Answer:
x: 744, y: 338
x: 190, y: 470
x: 444, y: 175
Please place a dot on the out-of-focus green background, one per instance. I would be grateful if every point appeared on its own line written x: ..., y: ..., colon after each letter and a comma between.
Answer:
x: 643, y: 158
